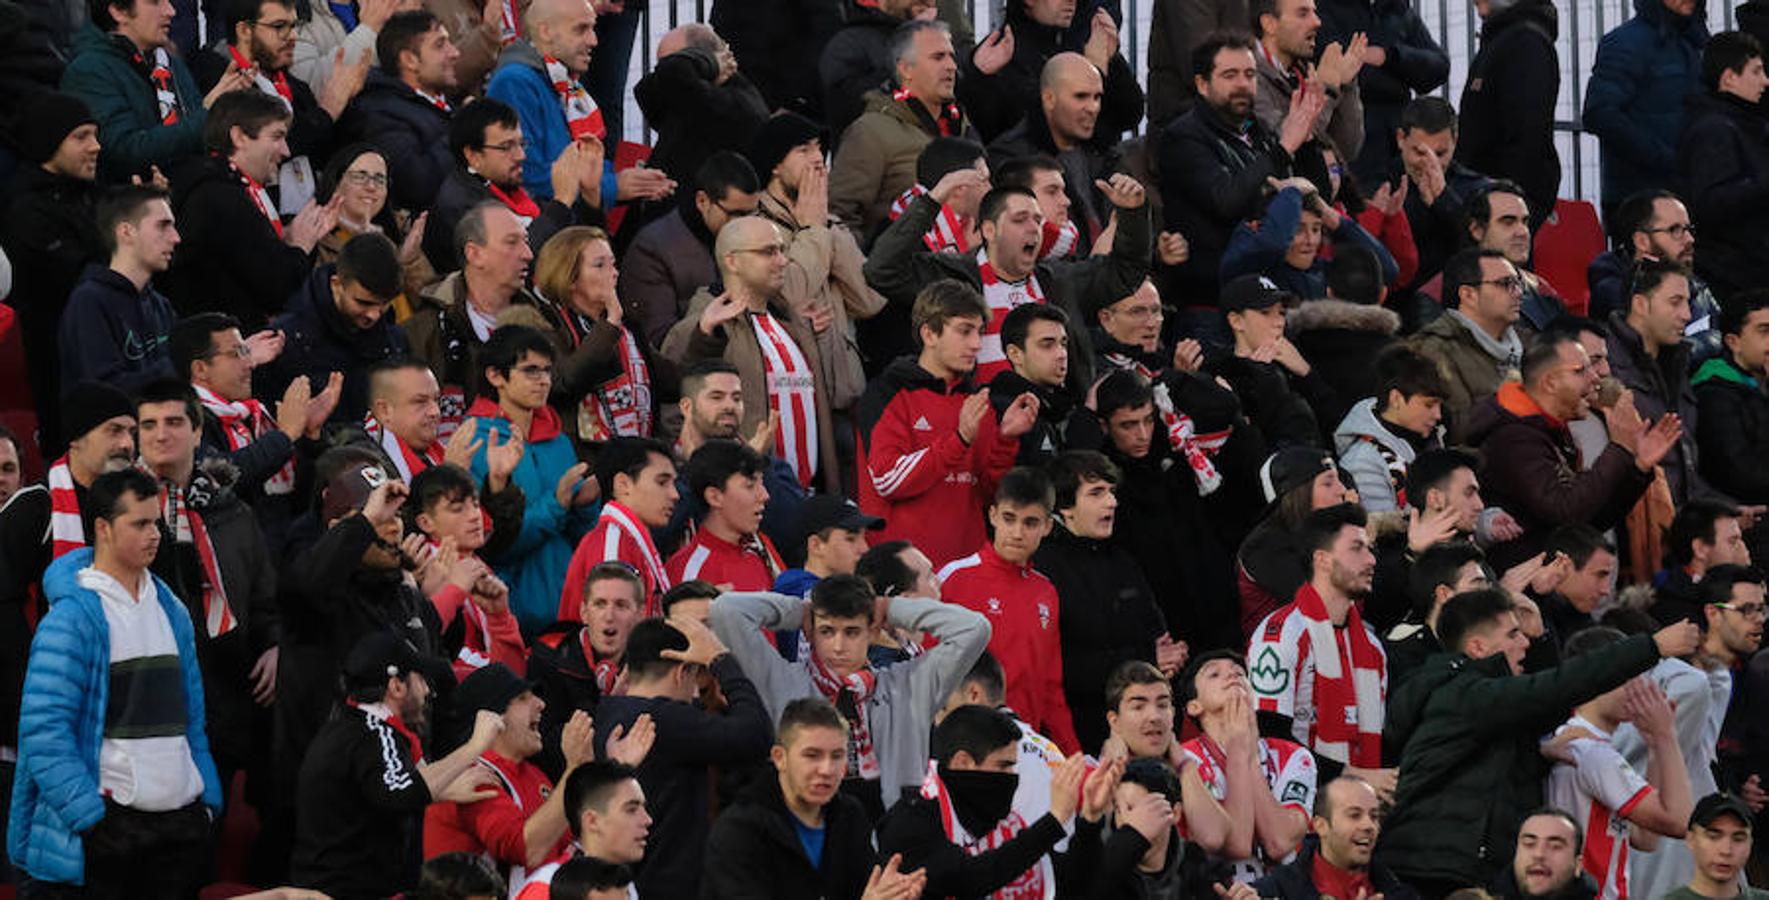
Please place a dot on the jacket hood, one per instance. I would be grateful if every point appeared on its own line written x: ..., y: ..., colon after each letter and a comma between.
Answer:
x: 1510, y: 404
x: 1054, y: 403
x: 111, y: 280
x: 906, y: 374
x: 522, y: 53
x: 1722, y: 104
x: 1538, y: 12
x: 61, y: 579
x: 544, y: 427
x: 1362, y: 420
x: 1343, y: 315
x: 1722, y: 369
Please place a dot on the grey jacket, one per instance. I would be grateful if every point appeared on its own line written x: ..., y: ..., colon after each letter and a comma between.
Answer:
x: 1360, y: 441
x: 1342, y: 121
x: 901, y: 710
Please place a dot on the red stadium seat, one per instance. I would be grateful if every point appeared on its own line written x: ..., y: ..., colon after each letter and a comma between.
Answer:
x: 627, y: 154
x: 1565, y: 246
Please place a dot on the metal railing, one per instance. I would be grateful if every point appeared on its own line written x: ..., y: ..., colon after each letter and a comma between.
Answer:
x: 1582, y: 24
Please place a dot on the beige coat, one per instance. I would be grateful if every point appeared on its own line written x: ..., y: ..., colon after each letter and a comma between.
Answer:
x: 875, y: 163
x: 823, y: 264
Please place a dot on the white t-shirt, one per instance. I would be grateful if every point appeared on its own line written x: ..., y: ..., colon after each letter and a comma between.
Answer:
x: 1600, y: 789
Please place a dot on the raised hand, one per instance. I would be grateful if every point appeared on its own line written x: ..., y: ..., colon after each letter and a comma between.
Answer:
x: 291, y: 410
x: 1121, y: 190
x: 473, y: 785
x: 1306, y: 105
x: 1097, y: 791
x: 703, y: 645
x: 762, y: 441
x: 502, y: 459
x: 1235, y: 890
x: 1170, y: 655
x: 1426, y: 530
x: 413, y: 245
x: 346, y: 82
x: 1171, y: 248
x: 1065, y: 787
x: 461, y: 446
x: 321, y: 405
x: 995, y: 51
x: 1150, y: 816
x: 1678, y: 639
x: 577, y: 740
x: 723, y: 308
x: 384, y: 501
x: 464, y: 569
x: 1188, y: 355
x: 970, y: 415
x: 263, y: 677
x: 954, y: 181
x: 1020, y: 416
x: 1649, y: 709
x: 490, y: 594
x: 487, y: 725
x: 312, y: 223
x: 568, y: 484
x: 1102, y: 41
x: 888, y: 883
x: 233, y: 79
x: 641, y: 183
x: 811, y: 209
x: 1658, y: 441
x: 631, y: 748
x: 567, y: 174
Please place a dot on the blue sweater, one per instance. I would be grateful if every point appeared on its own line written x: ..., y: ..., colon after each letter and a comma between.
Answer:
x: 55, y: 794
x: 1259, y: 248
x: 520, y: 80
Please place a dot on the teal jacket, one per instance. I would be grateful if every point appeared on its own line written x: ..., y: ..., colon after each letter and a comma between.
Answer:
x: 55, y: 796
x: 104, y: 74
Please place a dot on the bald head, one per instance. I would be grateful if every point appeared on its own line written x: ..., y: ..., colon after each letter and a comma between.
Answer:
x: 1067, y: 68
x: 752, y: 258
x: 693, y: 34
x: 1070, y: 90
x: 562, y: 29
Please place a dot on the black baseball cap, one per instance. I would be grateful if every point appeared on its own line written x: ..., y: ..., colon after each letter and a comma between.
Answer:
x: 491, y: 687
x: 1292, y: 467
x: 825, y: 511
x: 1718, y: 804
x: 1252, y: 292
x: 380, y: 655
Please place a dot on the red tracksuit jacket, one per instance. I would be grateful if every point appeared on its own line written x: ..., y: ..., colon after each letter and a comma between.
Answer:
x: 1021, y: 606
x: 929, y: 487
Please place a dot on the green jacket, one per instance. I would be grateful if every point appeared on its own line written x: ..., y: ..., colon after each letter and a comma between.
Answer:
x: 122, y: 99
x: 1470, y: 771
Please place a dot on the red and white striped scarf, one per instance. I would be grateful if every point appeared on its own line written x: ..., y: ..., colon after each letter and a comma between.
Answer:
x: 792, y: 392
x: 1345, y: 717
x: 67, y: 532
x: 242, y: 422
x: 849, y: 695
x: 276, y: 84
x: 582, y: 117
x: 605, y: 671
x: 509, y: 23
x: 1059, y: 239
x: 186, y: 525
x: 624, y: 519
x: 620, y: 406
x: 409, y: 462
x: 1001, y: 297
x: 948, y: 233
x: 1036, y: 883
x: 159, y: 74
x: 950, y: 122
x: 260, y: 198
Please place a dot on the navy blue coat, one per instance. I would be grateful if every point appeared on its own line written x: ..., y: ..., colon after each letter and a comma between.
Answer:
x: 1644, y: 72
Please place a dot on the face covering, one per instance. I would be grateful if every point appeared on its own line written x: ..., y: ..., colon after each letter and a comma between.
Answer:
x: 981, y: 799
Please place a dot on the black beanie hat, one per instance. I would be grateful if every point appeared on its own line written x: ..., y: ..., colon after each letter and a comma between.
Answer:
x: 89, y: 404
x: 45, y: 121
x: 776, y: 138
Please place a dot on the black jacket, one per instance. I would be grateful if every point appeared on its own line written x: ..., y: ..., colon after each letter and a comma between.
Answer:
x: 1438, y: 226
x: 778, y: 43
x: 1281, y: 403
x: 1723, y: 162
x: 754, y: 851
x: 694, y: 118
x: 674, y: 775
x: 1295, y: 879
x: 995, y: 102
x: 50, y: 234
x: 412, y: 131
x: 1062, y: 423
x: 567, y: 680
x: 912, y: 828
x: 1507, y: 109
x: 1108, y: 616
x: 320, y: 341
x: 230, y: 259
x: 1416, y: 65
x: 1732, y: 429
x: 1469, y: 768
x: 1082, y: 165
x: 360, y: 807
x: 857, y: 59
x: 1211, y: 181
x: 311, y: 129
x: 114, y: 333
x: 462, y: 190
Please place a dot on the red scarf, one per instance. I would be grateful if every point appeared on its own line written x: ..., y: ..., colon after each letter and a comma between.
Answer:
x: 407, y: 461
x: 1332, y: 881
x: 187, y: 527
x: 159, y: 74
x: 1342, y: 716
x: 582, y: 117
x: 381, y: 711
x: 620, y: 406
x: 518, y: 201
x: 275, y: 84
x: 260, y: 198
x: 543, y: 426
x: 606, y: 671
x: 67, y: 531
x: 849, y: 696
x: 243, y: 422
x: 950, y: 121
x: 1059, y: 239
x: 950, y: 228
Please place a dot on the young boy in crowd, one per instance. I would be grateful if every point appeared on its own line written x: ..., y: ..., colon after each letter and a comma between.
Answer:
x: 728, y: 549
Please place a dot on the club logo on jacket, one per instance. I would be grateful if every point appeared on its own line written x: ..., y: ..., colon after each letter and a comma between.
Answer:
x: 1044, y: 616
x: 921, y: 424
x: 994, y: 606
x: 1268, y: 674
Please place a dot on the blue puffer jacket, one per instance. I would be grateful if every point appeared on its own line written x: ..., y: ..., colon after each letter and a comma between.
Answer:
x: 55, y: 791
x: 535, y: 563
x: 520, y: 80
x: 1644, y: 71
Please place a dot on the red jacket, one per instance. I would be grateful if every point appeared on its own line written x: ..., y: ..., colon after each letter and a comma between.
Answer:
x: 619, y: 535
x: 713, y: 559
x: 493, y: 826
x: 929, y: 486
x: 1021, y: 606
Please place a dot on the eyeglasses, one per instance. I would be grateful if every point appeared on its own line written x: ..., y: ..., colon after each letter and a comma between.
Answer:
x: 366, y: 179
x: 536, y: 373
x: 1678, y: 231
x: 1141, y: 313
x: 509, y: 146
x: 1510, y: 283
x: 1748, y: 610
x: 734, y: 212
x: 242, y: 351
x: 278, y: 27
x: 770, y: 250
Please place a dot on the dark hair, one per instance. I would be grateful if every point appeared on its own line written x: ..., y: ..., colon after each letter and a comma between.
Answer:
x: 1402, y: 368
x: 718, y: 461
x: 1579, y: 542
x: 1634, y: 214
x: 401, y: 32
x: 240, y: 12
x: 1355, y: 274
x: 506, y: 348
x: 723, y: 172
x: 577, y: 877
x: 193, y: 338
x: 1154, y: 776
x: 1204, y: 55
x: 250, y: 110
x: 1018, y: 323
x: 1429, y: 114
x: 996, y: 200
x: 843, y: 597
x: 104, y: 499
x: 1121, y: 389
x: 1439, y: 566
x: 100, y: 12
x: 809, y: 712
x: 1074, y: 468
x: 457, y: 876
x: 976, y: 730
x: 1728, y: 51
x: 1468, y: 612
x: 692, y: 589
x: 1737, y: 309
x: 1464, y: 270
x: 626, y: 456
x: 883, y: 568
x: 1717, y: 583
x: 1591, y: 640
x: 645, y: 646
x: 695, y: 374
x: 589, y: 786
x: 466, y: 131
x: 1019, y: 171
x: 1572, y: 326
x: 1694, y: 521
x: 1188, y: 680
x: 125, y: 203
x: 171, y: 390
x: 1578, y: 833
x: 1321, y: 527
x: 370, y: 261
x: 1025, y: 486
x: 944, y: 155
x: 1542, y: 354
x: 943, y: 300
x: 1650, y: 274
x: 986, y: 673
x: 1128, y: 674
x: 1257, y: 9
x: 1432, y: 470
x: 616, y: 570
x: 438, y: 484
x: 1479, y: 208
x: 335, y: 460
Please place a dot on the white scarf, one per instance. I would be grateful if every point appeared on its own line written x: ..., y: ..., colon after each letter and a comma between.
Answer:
x: 582, y: 118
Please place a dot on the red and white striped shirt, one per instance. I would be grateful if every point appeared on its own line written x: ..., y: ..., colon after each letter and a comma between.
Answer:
x: 1601, y: 790
x: 1001, y: 298
x: 1290, y: 773
x: 792, y: 392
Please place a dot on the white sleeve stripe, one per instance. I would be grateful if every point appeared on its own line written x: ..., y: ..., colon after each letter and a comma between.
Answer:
x: 394, y: 775
x: 891, y: 480
x: 696, y: 561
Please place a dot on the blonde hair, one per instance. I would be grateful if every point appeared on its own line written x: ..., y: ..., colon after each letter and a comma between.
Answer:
x: 555, y: 270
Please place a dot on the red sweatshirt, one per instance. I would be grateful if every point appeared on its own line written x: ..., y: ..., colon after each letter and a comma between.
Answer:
x: 713, y: 559
x: 486, y: 638
x: 929, y: 486
x: 493, y: 826
x: 1021, y: 606
x: 619, y: 535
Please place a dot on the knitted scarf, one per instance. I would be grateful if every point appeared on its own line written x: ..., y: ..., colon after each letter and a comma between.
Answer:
x: 66, y: 531
x: 1182, y: 433
x: 849, y: 696
x: 409, y: 462
x: 1001, y: 297
x: 582, y: 118
x: 1059, y: 239
x: 159, y: 74
x: 620, y: 406
x: 243, y: 422
x: 948, y: 233
x: 178, y: 509
x: 1348, y: 689
x: 260, y: 198
x: 1039, y: 881
x: 275, y: 84
x: 509, y: 23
